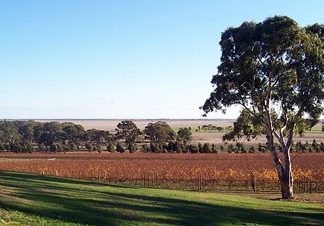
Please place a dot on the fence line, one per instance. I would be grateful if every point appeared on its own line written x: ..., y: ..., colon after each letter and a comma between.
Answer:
x: 203, y: 184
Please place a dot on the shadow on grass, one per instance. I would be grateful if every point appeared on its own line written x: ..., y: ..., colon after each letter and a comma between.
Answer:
x: 71, y: 201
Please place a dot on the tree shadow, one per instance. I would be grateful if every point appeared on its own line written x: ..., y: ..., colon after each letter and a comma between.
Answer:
x: 33, y: 194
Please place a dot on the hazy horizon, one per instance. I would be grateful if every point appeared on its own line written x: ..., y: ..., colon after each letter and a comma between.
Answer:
x: 114, y: 119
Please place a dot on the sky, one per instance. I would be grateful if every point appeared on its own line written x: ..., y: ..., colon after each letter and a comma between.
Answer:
x: 121, y: 59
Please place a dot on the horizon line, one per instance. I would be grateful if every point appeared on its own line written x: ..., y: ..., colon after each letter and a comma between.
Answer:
x: 64, y: 119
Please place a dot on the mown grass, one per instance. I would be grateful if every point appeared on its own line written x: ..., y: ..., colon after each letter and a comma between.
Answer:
x: 28, y: 199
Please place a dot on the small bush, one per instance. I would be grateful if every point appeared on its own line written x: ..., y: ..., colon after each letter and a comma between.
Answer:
x: 2, y: 147
x: 192, y: 148
x: 131, y: 147
x: 111, y: 147
x: 53, y: 148
x: 206, y: 148
x: 88, y: 147
x: 146, y: 148
x: 120, y: 148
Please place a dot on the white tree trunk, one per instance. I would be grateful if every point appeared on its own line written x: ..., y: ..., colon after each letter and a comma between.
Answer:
x: 284, y: 170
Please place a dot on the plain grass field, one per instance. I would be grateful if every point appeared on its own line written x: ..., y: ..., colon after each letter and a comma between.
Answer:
x: 28, y: 199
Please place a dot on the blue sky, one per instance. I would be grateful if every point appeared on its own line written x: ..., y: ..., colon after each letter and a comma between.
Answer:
x: 120, y: 59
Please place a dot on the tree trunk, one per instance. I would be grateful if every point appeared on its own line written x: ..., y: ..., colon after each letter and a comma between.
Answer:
x: 286, y: 184
x: 284, y: 174
x: 284, y: 171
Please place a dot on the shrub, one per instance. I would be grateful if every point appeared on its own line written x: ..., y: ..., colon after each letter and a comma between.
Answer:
x: 131, y: 147
x: 53, y: 148
x: 98, y: 148
x: 322, y: 146
x: 59, y: 147
x: 206, y: 148
x: 74, y: 147
x: 94, y: 148
x: 252, y: 149
x: 230, y: 148
x: 192, y: 148
x: 2, y: 147
x: 200, y: 147
x: 88, y: 147
x: 146, y: 148
x: 41, y: 147
x: 120, y: 148
x: 316, y: 146
x: 111, y: 147
x: 180, y: 148
x: 239, y: 148
x: 261, y: 148
x: 172, y: 146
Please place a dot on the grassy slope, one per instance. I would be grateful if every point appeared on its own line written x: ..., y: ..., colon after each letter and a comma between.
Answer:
x: 38, y: 200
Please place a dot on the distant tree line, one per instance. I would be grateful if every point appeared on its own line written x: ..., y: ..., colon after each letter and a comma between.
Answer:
x: 157, y: 137
x: 29, y: 136
x: 211, y: 127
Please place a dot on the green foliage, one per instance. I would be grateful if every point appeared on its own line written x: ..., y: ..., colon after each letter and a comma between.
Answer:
x: 41, y: 147
x: 316, y: 29
x: 2, y: 147
x: 200, y: 147
x: 272, y: 63
x: 88, y: 147
x: 206, y: 148
x: 275, y: 71
x: 127, y: 130
x: 322, y: 147
x: 131, y: 147
x: 261, y: 148
x: 316, y: 146
x: 230, y: 148
x: 252, y: 149
x: 53, y: 148
x: 72, y: 132
x: 120, y: 148
x: 184, y: 135
x: 193, y: 148
x: 98, y: 136
x: 98, y: 148
x: 172, y: 146
x: 245, y: 125
x: 159, y: 132
x: 240, y: 148
x: 111, y: 147
x: 146, y: 148
x: 59, y: 147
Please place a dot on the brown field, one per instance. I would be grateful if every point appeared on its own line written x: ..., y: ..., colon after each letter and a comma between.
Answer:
x: 169, y: 170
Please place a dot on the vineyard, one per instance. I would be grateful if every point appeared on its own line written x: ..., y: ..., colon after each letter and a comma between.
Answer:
x: 217, y: 172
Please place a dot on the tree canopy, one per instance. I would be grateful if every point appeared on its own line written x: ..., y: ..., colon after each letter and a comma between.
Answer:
x: 274, y: 70
x: 159, y: 132
x: 127, y: 130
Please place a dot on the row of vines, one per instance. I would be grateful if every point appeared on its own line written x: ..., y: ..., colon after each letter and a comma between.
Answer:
x: 178, y: 171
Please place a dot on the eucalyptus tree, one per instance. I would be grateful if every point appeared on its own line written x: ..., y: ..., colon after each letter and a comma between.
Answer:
x: 73, y: 132
x: 159, y: 132
x: 48, y: 133
x: 127, y: 130
x: 274, y: 71
x: 184, y: 135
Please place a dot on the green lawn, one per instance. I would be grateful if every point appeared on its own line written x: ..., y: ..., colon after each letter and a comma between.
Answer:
x: 39, y: 200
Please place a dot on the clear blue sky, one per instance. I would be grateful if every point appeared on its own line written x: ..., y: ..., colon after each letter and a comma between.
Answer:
x: 120, y: 59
